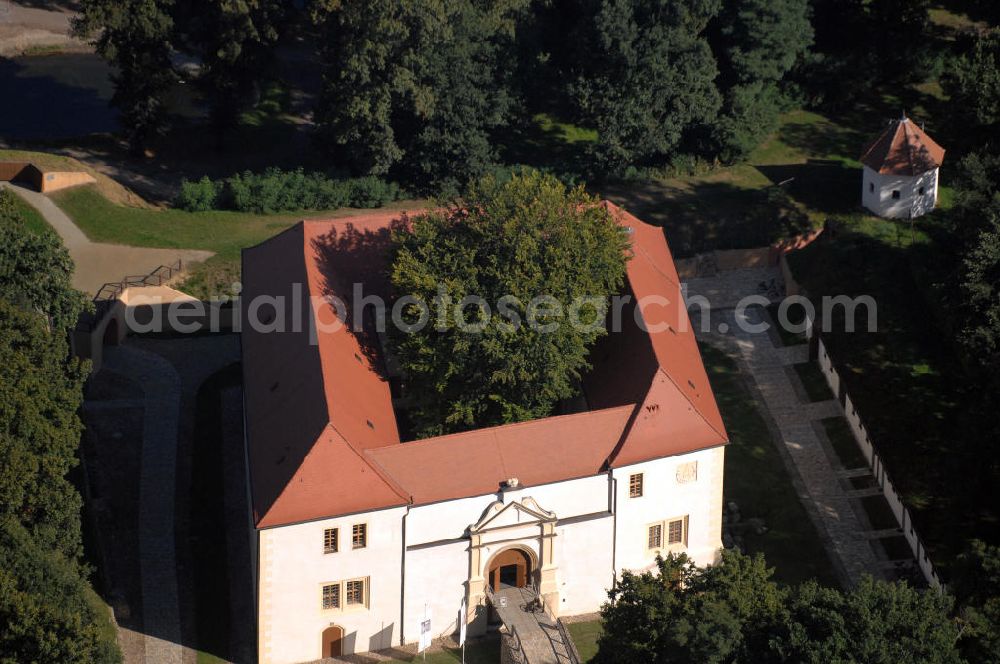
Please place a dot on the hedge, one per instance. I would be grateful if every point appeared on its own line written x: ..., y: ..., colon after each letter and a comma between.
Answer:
x: 276, y: 190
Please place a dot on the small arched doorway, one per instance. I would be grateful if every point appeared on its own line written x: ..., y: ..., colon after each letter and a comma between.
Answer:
x: 333, y: 641
x: 510, y: 568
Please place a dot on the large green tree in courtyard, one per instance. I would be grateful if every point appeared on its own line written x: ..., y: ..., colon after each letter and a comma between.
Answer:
x: 530, y: 245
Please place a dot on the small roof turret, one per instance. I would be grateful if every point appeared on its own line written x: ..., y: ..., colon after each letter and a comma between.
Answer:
x: 903, y: 149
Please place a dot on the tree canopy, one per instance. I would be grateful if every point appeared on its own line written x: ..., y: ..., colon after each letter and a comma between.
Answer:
x: 649, y: 78
x: 425, y: 80
x: 47, y: 611
x: 509, y: 243
x: 35, y: 270
x: 734, y: 613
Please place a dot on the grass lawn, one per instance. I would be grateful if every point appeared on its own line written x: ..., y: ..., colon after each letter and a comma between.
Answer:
x: 223, y: 232
x: 32, y: 218
x: 843, y: 443
x: 756, y: 478
x: 478, y: 651
x: 795, y: 314
x: 813, y: 381
x: 906, y: 377
x: 585, y: 635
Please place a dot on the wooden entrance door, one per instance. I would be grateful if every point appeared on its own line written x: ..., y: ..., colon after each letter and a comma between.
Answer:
x: 333, y: 640
x: 510, y: 568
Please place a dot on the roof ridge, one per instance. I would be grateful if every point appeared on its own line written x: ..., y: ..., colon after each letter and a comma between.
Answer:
x: 509, y: 425
x: 381, y: 472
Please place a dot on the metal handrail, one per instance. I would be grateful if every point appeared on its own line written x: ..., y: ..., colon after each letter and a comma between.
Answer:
x: 111, y: 291
x: 574, y: 654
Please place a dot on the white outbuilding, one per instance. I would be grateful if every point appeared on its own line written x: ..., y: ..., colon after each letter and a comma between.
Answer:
x: 901, y: 172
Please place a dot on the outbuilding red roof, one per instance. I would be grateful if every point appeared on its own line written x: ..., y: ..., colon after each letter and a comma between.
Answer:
x: 903, y: 149
x: 321, y: 432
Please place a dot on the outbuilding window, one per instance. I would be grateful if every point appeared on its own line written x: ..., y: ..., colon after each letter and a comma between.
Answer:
x: 921, y: 191
x: 635, y: 485
x: 895, y: 194
x: 871, y: 187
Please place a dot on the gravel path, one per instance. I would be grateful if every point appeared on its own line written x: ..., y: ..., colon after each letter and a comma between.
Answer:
x: 831, y: 504
x: 97, y: 263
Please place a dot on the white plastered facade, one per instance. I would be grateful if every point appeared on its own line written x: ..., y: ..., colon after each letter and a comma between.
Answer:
x: 899, y: 196
x: 579, y: 535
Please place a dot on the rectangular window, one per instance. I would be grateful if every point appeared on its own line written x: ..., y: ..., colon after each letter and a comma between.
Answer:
x: 355, y: 593
x: 675, y: 532
x: 654, y: 538
x: 635, y: 485
x: 359, y: 535
x: 921, y: 191
x: 331, y: 596
x: 330, y: 540
x: 871, y: 187
x: 895, y: 194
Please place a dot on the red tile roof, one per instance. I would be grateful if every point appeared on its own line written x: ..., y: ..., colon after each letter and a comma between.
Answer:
x: 903, y: 149
x: 321, y: 431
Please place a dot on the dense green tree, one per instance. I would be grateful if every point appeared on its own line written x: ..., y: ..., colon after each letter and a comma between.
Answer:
x: 35, y: 270
x: 47, y: 611
x: 134, y: 36
x: 507, y: 243
x: 976, y: 584
x: 417, y: 86
x: 756, y: 42
x: 733, y: 613
x: 875, y: 623
x: 863, y: 45
x: 972, y: 84
x: 650, y: 78
x: 234, y: 40
x: 688, y: 615
x: 39, y: 429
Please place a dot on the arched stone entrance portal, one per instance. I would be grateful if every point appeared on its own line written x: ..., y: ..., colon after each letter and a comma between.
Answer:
x: 333, y: 640
x: 511, y: 567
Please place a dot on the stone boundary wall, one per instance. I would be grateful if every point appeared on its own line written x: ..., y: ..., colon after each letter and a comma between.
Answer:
x: 874, y: 459
x: 159, y: 310
x: 722, y: 260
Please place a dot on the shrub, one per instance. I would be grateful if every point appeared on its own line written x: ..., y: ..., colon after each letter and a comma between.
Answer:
x: 372, y: 192
x: 276, y: 190
x: 199, y: 196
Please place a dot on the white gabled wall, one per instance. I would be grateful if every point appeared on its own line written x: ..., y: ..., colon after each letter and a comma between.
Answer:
x: 664, y: 497
x: 591, y: 545
x: 876, y: 193
x: 293, y: 569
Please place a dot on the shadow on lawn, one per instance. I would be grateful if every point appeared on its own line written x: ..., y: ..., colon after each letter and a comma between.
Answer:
x: 705, y: 216
x: 908, y: 383
x: 820, y: 184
